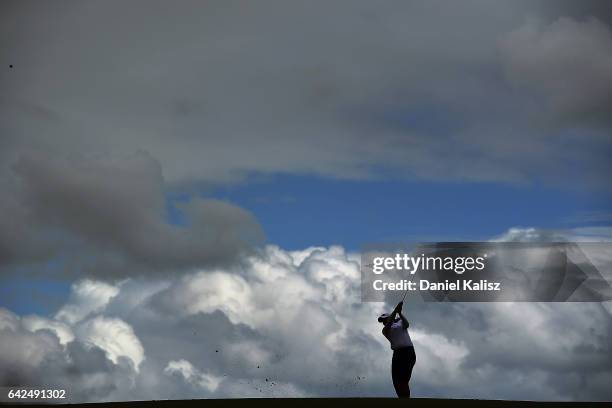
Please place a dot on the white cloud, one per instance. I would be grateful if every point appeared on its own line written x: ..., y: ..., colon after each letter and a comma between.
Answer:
x: 192, y: 375
x: 34, y: 323
x: 439, y: 357
x: 87, y: 297
x: 286, y: 323
x: 114, y: 336
x: 8, y: 320
x: 206, y: 292
x: 248, y: 353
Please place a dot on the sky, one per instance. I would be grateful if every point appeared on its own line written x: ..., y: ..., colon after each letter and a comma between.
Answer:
x: 186, y: 189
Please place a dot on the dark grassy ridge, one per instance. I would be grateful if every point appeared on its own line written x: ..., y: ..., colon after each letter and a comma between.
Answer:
x: 324, y: 402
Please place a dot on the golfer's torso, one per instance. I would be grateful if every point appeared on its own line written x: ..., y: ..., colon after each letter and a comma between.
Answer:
x: 397, y: 335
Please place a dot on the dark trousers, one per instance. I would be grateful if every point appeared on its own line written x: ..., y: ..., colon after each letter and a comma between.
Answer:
x: 401, y: 370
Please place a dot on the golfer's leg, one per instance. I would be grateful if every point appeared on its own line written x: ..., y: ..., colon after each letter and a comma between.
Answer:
x: 411, y: 363
x: 401, y: 388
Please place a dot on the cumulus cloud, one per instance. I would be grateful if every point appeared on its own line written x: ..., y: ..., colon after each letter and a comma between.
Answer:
x: 192, y: 375
x: 294, y: 322
x: 40, y: 352
x: 35, y: 323
x: 114, y: 336
x: 86, y: 297
x: 291, y: 323
x: 284, y: 336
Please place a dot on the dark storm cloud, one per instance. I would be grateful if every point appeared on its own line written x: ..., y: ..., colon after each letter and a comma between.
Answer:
x: 109, y: 216
x: 215, y: 90
x: 569, y: 62
x: 210, y: 92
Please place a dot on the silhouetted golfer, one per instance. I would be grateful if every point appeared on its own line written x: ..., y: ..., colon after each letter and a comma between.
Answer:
x: 404, y: 357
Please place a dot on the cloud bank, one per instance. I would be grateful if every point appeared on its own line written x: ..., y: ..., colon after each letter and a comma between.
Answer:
x: 219, y: 90
x: 291, y: 323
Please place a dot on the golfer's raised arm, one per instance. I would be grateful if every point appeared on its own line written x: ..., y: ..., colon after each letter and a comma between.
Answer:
x: 404, y: 320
